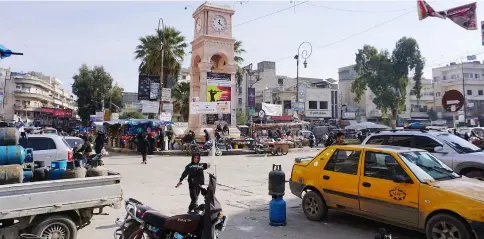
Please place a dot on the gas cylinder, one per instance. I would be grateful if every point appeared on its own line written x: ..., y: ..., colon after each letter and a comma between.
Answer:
x: 73, y: 171
x: 40, y: 171
x: 28, y: 175
x: 96, y: 169
x: 277, y: 211
x: 57, y: 169
x: 14, y: 154
x: 277, y: 181
x: 10, y: 174
x: 9, y: 136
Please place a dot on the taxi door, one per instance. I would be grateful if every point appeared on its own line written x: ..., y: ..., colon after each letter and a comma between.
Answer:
x: 383, y: 195
x: 339, y: 179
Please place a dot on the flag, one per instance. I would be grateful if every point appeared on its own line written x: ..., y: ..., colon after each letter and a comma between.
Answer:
x: 425, y: 10
x: 464, y: 16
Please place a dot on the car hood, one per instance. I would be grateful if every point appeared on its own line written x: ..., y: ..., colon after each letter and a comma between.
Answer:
x: 464, y: 186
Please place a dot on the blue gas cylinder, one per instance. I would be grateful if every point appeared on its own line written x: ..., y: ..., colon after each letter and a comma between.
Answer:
x: 29, y: 155
x: 14, y: 154
x: 28, y: 175
x: 277, y: 212
x: 57, y: 169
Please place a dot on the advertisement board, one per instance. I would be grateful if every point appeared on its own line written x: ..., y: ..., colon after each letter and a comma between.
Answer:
x: 148, y: 87
x: 218, y: 93
x: 221, y: 79
x: 251, y: 98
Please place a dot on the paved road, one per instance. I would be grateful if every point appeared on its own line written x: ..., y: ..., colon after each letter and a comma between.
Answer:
x: 243, y: 194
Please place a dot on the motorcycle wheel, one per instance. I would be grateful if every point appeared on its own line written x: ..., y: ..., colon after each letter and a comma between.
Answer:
x: 131, y: 232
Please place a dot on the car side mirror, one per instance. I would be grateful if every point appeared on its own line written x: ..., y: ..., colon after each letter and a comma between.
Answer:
x: 401, y: 179
x: 440, y: 150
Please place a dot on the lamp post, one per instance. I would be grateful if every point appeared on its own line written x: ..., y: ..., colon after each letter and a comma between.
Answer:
x: 189, y: 6
x: 304, y: 55
x: 250, y: 73
x: 162, y: 41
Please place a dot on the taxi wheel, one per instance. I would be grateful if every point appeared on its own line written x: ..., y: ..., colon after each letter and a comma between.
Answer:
x: 314, y: 206
x: 447, y: 226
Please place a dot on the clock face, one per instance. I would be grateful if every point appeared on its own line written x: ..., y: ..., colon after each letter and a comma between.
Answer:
x: 219, y: 23
x: 198, y: 25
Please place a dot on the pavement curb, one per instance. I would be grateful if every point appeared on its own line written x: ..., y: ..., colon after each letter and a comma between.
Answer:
x: 184, y: 153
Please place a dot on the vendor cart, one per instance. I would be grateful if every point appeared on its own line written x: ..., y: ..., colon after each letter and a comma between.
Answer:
x: 274, y: 148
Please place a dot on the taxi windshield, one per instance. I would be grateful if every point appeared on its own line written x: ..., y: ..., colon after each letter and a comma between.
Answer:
x: 427, y: 167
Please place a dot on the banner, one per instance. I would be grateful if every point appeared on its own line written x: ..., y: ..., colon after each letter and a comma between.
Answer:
x: 218, y: 93
x: 221, y: 79
x: 464, y: 16
x: 482, y: 32
x: 251, y: 97
x: 47, y: 110
x: 298, y: 106
x: 272, y: 109
x: 148, y: 87
x: 210, y: 107
x: 150, y: 107
x: 166, y: 95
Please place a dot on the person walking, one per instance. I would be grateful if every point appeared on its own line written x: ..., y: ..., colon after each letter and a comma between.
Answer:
x: 143, y: 145
x: 196, y: 178
x: 99, y: 143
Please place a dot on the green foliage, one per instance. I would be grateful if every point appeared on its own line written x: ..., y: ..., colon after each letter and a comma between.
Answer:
x: 91, y: 86
x: 181, y: 99
x: 432, y: 114
x: 238, y: 50
x: 149, y: 52
x: 239, y: 77
x: 241, y: 117
x: 386, y: 75
x: 132, y: 115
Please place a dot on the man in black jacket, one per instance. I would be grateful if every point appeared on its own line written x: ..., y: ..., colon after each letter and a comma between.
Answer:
x: 194, y: 171
x: 143, y: 145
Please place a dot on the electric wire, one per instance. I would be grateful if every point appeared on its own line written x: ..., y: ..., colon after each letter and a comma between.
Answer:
x: 270, y: 14
x: 359, y: 11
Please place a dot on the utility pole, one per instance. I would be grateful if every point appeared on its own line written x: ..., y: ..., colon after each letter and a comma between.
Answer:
x: 305, y: 55
x: 162, y: 41
x: 464, y: 93
x: 249, y: 72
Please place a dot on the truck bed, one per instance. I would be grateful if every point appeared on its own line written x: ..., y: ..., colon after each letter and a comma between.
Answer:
x: 28, y: 199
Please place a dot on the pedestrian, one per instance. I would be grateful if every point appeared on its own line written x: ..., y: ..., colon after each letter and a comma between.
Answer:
x: 143, y: 145
x: 151, y: 142
x: 98, y: 143
x: 194, y: 171
x: 340, y: 139
x: 311, y: 140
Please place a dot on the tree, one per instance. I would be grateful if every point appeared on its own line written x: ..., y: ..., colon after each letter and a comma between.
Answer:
x: 181, y: 99
x: 386, y: 75
x: 92, y: 86
x: 149, y: 52
x: 241, y: 117
x: 239, y: 75
x: 116, y: 98
x: 131, y: 115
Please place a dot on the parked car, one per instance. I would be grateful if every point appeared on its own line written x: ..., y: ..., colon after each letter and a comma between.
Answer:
x: 73, y: 141
x: 405, y: 187
x: 462, y: 156
x: 47, y: 147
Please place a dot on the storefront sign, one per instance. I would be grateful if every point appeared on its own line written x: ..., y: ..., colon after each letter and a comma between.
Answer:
x: 47, y: 110
x: 318, y: 113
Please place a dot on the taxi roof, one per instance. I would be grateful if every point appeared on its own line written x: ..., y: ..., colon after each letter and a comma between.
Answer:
x: 390, y: 148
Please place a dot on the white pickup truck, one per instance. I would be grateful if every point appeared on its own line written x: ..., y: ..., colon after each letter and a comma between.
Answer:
x: 55, y: 209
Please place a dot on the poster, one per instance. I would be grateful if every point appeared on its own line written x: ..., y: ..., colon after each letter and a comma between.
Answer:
x: 166, y: 95
x: 218, y: 93
x: 221, y: 79
x: 272, y: 109
x: 251, y: 97
x: 145, y: 85
x: 464, y: 16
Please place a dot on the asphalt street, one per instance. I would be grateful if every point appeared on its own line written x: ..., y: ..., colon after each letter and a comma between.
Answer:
x: 243, y: 192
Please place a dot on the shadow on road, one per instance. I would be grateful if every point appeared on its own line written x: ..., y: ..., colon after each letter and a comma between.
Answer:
x: 253, y: 222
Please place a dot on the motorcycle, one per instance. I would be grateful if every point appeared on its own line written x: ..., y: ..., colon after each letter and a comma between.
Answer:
x: 205, y: 222
x: 382, y: 234
x: 78, y: 155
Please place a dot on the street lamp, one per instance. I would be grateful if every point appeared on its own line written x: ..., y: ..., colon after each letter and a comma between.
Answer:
x: 162, y: 41
x: 305, y: 54
x: 250, y: 73
x: 189, y: 6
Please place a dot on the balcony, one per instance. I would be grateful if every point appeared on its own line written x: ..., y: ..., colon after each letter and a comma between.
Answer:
x: 35, y: 96
x: 423, y: 98
x: 33, y: 81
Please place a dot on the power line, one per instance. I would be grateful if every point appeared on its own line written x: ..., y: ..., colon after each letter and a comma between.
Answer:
x: 360, y: 11
x: 270, y: 14
x: 354, y: 35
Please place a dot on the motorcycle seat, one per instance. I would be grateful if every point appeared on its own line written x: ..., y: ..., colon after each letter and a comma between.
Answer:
x: 141, y: 209
x: 155, y: 218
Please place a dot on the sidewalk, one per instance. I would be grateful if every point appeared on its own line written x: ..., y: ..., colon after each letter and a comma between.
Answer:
x: 224, y: 153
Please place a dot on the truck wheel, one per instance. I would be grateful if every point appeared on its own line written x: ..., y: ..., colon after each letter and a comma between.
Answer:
x: 314, y: 206
x: 61, y: 227
x: 477, y: 174
x: 447, y: 226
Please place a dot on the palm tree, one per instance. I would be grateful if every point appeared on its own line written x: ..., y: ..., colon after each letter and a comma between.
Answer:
x: 238, y: 50
x: 181, y: 99
x: 149, y: 52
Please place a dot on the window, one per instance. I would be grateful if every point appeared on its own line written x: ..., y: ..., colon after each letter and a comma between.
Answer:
x: 377, y: 140
x: 444, y: 77
x: 400, y: 140
x: 469, y: 92
x: 184, y: 77
x: 344, y: 161
x: 287, y: 104
x: 323, y: 105
x: 466, y: 75
x: 480, y: 92
x: 426, y: 143
x: 476, y: 76
x: 38, y: 143
x: 313, y: 105
x: 382, y: 166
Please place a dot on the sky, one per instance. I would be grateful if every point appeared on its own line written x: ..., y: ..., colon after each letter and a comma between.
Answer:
x: 58, y: 37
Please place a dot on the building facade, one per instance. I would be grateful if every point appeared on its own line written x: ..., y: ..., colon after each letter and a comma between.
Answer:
x: 37, y: 99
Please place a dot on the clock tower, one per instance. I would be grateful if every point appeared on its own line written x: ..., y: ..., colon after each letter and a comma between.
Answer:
x: 212, y: 65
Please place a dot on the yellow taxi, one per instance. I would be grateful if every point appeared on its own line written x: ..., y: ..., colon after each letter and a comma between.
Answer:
x: 401, y: 186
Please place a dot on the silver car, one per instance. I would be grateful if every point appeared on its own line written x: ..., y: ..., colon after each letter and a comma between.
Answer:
x: 460, y: 155
x: 47, y: 147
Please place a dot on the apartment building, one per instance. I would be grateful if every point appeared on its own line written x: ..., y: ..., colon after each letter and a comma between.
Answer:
x: 41, y: 99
